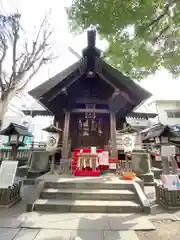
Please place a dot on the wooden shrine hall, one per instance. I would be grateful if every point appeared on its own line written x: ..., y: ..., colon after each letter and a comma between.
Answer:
x: 89, y: 101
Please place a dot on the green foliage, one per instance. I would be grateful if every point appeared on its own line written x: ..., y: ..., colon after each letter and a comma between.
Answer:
x: 143, y: 35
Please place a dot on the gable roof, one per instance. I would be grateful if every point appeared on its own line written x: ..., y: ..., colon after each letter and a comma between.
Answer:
x: 54, y: 81
x: 14, y: 128
x: 91, y: 61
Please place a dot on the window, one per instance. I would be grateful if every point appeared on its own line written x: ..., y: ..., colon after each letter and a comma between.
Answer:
x: 175, y: 114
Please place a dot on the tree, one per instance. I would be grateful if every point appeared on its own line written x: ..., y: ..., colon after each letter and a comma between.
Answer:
x: 143, y: 35
x: 20, y: 59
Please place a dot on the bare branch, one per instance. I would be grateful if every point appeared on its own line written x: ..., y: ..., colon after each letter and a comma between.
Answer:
x: 15, y: 34
x: 23, y: 85
x: 26, y: 57
x: 3, y: 48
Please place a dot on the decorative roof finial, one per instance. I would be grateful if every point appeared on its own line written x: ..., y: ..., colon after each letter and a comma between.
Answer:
x: 91, y: 35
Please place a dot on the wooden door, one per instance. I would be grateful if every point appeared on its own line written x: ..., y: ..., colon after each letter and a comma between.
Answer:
x: 90, y: 133
x: 89, y: 141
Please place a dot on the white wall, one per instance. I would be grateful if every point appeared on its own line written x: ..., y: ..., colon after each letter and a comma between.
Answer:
x: 162, y: 106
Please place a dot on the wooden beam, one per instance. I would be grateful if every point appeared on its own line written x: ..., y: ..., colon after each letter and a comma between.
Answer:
x: 107, y: 81
x: 61, y: 90
x: 116, y: 89
x: 91, y: 100
x: 83, y: 110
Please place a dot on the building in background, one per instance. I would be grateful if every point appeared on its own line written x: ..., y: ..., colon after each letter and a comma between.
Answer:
x: 168, y: 110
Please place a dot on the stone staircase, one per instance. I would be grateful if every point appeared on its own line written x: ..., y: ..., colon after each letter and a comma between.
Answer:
x: 88, y: 197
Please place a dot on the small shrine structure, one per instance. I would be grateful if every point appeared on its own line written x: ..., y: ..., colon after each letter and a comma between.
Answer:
x: 89, y: 101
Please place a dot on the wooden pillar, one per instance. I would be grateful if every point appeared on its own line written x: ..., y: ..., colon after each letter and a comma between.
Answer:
x: 65, y: 149
x: 113, y: 133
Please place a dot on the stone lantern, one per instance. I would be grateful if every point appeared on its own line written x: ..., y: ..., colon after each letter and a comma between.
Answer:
x: 16, y: 136
x: 52, y: 142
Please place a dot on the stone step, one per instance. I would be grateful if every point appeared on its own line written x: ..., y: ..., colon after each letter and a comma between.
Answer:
x: 126, y: 185
x: 85, y: 206
x: 86, y: 194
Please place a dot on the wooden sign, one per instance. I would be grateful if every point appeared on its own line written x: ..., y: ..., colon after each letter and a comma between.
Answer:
x: 112, y: 166
x: 93, y: 150
x: 168, y: 151
x: 7, y: 173
x: 170, y: 181
x: 104, y: 158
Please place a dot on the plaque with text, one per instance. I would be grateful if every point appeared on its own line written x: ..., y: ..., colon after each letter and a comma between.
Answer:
x: 7, y: 173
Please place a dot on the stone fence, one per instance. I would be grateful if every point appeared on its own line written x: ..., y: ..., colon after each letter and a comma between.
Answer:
x: 11, y: 194
x: 166, y: 198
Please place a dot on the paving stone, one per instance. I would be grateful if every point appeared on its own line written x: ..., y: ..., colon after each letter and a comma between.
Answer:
x: 94, y: 222
x: 87, y: 235
x: 120, y: 235
x: 10, y: 222
x: 52, y: 224
x: 69, y: 221
x: 8, y: 233
x: 27, y: 234
x: 53, y: 235
x: 131, y: 222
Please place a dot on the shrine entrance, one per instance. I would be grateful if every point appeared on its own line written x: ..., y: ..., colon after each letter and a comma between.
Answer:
x: 86, y: 132
x: 90, y: 132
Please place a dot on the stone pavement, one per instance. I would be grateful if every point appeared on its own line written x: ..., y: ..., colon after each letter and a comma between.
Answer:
x: 36, y: 226
x: 15, y: 224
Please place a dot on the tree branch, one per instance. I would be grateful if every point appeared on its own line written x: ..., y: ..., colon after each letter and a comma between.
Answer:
x: 27, y: 58
x: 23, y: 85
x: 156, y: 21
x: 3, y: 48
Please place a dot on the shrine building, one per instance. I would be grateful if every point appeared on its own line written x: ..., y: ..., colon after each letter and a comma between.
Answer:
x: 89, y: 101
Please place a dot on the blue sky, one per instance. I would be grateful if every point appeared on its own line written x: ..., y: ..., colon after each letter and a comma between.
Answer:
x: 161, y: 84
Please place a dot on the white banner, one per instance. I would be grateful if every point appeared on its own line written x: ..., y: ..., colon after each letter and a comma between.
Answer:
x: 52, y: 142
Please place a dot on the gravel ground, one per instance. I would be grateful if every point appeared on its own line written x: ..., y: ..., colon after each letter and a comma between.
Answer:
x: 165, y: 230
x: 167, y: 223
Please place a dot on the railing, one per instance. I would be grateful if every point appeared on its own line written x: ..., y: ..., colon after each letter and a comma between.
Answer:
x: 144, y: 146
x: 10, y: 194
x: 166, y: 198
x: 125, y: 166
x: 22, y: 155
x: 23, y: 152
x: 35, y: 146
x: 122, y: 165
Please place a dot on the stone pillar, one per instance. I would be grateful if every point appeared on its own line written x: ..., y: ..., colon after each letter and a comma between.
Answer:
x: 174, y: 165
x: 142, y: 167
x: 39, y: 161
x: 113, y: 133
x: 165, y: 165
x: 138, y: 142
